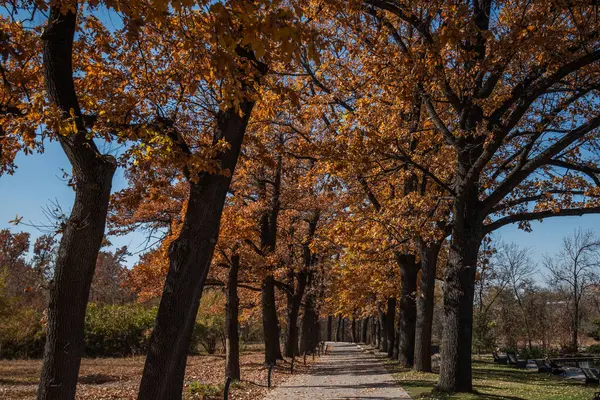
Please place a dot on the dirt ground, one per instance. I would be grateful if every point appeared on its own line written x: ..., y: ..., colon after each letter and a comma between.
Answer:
x: 118, y: 378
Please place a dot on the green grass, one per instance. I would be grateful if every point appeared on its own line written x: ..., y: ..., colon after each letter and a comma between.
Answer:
x: 494, y: 381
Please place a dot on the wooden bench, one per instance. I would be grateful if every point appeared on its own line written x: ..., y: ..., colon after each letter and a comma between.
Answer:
x: 499, y: 359
x: 514, y: 361
x: 554, y: 368
x: 591, y: 375
x: 542, y: 366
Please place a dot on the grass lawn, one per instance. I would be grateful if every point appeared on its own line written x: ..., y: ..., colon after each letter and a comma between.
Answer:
x: 494, y: 381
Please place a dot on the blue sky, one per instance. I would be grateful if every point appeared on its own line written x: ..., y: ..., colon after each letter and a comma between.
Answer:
x: 38, y: 182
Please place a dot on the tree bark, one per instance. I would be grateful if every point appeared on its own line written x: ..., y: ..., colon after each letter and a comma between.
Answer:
x: 397, y: 333
x: 389, y: 325
x: 270, y: 322
x: 353, y: 327
x: 329, y: 327
x: 308, y: 331
x: 84, y: 230
x: 232, y: 340
x: 291, y: 343
x: 409, y: 269
x: 575, y: 333
x: 190, y: 256
x: 338, y: 337
x: 373, y: 331
x: 364, y: 330
x: 268, y: 242
x: 459, y: 277
x: 383, y: 344
x: 425, y: 303
x: 377, y: 337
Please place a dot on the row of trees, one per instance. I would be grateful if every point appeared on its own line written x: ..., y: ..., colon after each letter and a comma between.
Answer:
x: 377, y: 144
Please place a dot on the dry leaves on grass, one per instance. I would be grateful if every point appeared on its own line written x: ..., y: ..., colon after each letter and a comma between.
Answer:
x: 118, y: 378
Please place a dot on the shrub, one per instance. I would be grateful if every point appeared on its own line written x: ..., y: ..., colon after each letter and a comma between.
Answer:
x: 532, y: 353
x: 508, y: 349
x: 595, y: 333
x: 117, y: 330
x: 110, y: 331
x: 204, y: 390
x: 594, y: 349
x: 208, y: 333
x: 484, y: 338
x: 22, y: 334
x: 209, y: 330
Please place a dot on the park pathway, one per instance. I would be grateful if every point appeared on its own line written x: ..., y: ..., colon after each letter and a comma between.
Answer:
x: 345, y: 372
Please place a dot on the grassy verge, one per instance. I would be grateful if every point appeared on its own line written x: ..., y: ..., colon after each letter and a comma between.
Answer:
x: 493, y: 381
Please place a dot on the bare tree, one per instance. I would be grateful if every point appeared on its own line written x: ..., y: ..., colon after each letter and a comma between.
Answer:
x: 489, y: 285
x: 573, y: 270
x: 515, y: 265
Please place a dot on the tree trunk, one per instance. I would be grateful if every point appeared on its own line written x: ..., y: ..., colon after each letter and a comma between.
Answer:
x: 315, y: 331
x: 353, y: 327
x: 364, y: 329
x: 459, y: 288
x: 191, y: 253
x: 190, y: 256
x: 84, y: 230
x: 307, y: 335
x: 329, y: 327
x: 383, y: 344
x: 390, y: 329
x: 377, y: 325
x: 425, y: 303
x: 373, y: 335
x: 409, y: 269
x: 338, y: 329
x: 270, y: 322
x: 575, y: 339
x: 308, y: 260
x: 232, y: 340
x: 397, y: 333
x: 291, y: 342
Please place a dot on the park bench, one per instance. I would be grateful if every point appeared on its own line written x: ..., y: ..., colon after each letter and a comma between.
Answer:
x: 499, y: 359
x: 591, y: 375
x: 554, y: 368
x: 514, y: 361
x: 542, y: 366
x: 549, y: 367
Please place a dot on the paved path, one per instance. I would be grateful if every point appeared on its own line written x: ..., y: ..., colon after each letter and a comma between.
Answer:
x: 345, y: 373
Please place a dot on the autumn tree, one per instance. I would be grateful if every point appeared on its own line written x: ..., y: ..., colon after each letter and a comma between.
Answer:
x: 21, y: 97
x: 41, y: 100
x: 505, y: 111
x: 108, y: 284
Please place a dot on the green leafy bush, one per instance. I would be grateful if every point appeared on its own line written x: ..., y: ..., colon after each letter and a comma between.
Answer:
x: 484, y: 339
x: 208, y: 334
x: 532, y: 353
x: 205, y: 390
x: 117, y: 330
x: 508, y: 349
x: 594, y: 349
x: 22, y: 334
x: 110, y: 331
x: 209, y: 330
